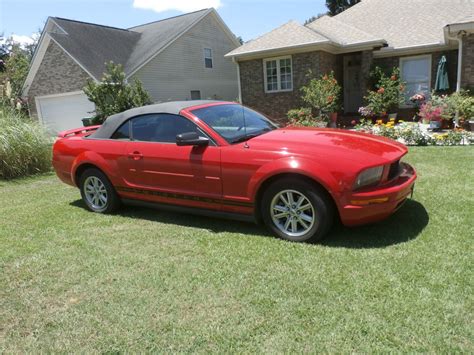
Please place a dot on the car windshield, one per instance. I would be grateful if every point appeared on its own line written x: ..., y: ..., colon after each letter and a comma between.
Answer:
x: 235, y: 123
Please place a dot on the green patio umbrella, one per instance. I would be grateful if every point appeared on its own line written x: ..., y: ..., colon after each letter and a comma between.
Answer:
x: 442, y: 82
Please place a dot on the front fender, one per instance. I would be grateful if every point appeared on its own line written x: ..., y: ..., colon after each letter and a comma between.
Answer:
x: 90, y: 157
x: 295, y: 165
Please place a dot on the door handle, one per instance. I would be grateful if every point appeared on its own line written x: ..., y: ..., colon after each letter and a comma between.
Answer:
x: 135, y: 156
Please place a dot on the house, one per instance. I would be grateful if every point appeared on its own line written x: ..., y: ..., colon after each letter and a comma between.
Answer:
x: 179, y: 58
x: 410, y: 34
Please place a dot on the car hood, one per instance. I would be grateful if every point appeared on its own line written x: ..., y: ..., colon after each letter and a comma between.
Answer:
x: 350, y: 146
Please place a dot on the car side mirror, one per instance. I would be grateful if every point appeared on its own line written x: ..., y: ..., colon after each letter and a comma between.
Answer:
x: 191, y: 138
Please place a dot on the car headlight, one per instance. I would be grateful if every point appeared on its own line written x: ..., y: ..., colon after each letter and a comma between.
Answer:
x: 369, y: 177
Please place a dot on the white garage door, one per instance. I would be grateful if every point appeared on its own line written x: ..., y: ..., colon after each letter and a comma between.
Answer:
x: 61, y: 112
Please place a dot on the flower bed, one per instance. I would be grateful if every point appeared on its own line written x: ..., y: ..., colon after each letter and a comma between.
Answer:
x: 412, y: 133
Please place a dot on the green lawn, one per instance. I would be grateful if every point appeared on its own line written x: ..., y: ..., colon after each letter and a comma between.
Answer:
x: 147, y: 280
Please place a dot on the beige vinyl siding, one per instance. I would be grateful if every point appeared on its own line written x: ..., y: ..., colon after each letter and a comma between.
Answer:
x: 179, y: 69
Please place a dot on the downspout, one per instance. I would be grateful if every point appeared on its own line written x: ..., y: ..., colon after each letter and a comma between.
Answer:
x: 458, y: 38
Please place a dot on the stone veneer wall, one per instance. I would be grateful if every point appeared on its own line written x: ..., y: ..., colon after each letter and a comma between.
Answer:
x: 276, y: 105
x: 58, y: 73
x: 467, y: 71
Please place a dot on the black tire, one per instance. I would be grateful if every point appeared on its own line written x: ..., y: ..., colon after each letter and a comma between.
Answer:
x: 321, y: 211
x: 112, y: 202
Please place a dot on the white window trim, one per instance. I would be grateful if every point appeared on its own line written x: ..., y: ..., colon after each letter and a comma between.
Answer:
x: 404, y: 59
x: 278, y: 74
x: 211, y: 57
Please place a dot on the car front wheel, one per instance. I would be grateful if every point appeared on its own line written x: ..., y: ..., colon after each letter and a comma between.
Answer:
x: 296, y: 210
x: 97, y: 192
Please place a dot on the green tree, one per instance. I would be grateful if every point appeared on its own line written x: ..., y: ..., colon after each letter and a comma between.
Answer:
x: 113, y: 94
x: 337, y: 6
x: 314, y: 18
x: 17, y: 64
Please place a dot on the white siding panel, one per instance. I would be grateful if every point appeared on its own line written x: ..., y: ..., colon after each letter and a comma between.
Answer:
x: 176, y: 71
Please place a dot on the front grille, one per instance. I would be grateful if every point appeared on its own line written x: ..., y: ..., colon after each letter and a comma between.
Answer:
x: 394, y: 170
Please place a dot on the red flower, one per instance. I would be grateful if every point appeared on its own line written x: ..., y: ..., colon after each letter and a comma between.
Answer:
x: 393, y: 77
x: 381, y: 90
x: 353, y: 122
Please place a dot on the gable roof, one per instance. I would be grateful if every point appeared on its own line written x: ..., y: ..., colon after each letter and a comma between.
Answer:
x: 91, y: 45
x: 396, y: 25
x: 156, y: 35
x: 406, y: 23
x: 291, y: 34
x: 341, y: 32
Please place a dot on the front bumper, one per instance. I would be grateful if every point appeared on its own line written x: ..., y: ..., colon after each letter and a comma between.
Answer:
x: 381, y: 202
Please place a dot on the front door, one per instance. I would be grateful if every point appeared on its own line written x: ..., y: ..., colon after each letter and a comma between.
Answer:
x: 161, y: 170
x: 353, y: 96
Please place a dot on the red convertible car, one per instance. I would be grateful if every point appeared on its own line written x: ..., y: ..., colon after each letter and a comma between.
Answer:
x: 221, y: 158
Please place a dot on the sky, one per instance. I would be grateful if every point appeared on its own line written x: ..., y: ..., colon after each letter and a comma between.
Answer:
x: 246, y: 18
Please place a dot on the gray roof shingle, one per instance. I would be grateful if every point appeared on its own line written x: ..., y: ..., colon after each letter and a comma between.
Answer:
x: 291, y: 34
x: 156, y: 35
x: 396, y: 23
x: 93, y: 45
x: 406, y: 23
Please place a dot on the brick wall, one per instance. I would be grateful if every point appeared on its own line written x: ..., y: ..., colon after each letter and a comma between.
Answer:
x: 276, y: 105
x: 467, y: 71
x: 57, y: 73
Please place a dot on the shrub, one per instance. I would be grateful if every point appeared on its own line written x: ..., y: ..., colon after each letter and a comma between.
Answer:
x: 387, y: 94
x: 113, y: 94
x: 25, y: 148
x: 303, y: 117
x: 322, y: 94
x: 462, y: 102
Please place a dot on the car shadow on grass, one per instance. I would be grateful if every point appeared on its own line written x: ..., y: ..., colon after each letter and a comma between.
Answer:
x: 404, y: 225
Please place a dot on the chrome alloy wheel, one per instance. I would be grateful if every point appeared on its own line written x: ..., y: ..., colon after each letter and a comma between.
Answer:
x: 292, y: 213
x: 96, y: 193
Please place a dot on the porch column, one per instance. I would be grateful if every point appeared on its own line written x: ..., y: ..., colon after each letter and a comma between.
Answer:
x: 467, y: 66
x: 367, y: 58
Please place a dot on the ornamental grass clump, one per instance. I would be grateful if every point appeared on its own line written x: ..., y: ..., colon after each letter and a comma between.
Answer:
x: 25, y: 147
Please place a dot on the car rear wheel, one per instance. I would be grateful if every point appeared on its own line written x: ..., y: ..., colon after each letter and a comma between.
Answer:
x: 296, y: 210
x: 97, y: 192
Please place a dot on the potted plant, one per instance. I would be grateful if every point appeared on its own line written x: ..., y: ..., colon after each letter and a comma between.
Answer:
x: 387, y: 94
x: 435, y: 111
x: 418, y: 100
x: 323, y: 95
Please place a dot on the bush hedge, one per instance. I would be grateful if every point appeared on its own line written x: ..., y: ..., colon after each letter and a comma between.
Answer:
x: 25, y: 147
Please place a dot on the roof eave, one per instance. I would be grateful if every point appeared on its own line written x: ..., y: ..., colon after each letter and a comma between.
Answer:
x: 328, y: 46
x: 455, y: 28
x: 397, y: 51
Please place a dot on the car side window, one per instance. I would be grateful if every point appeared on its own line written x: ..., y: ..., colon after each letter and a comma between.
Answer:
x: 162, y: 128
x: 123, y: 132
